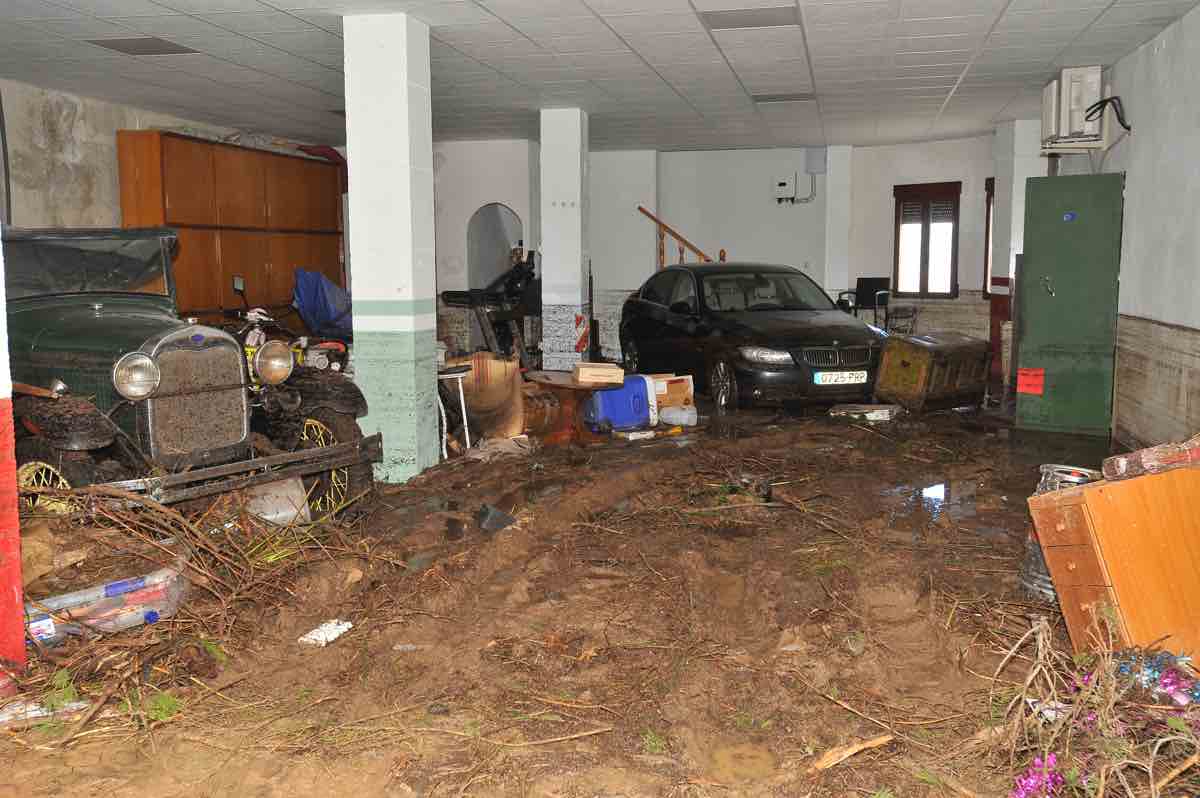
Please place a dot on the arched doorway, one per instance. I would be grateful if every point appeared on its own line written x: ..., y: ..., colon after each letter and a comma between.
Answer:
x: 492, y: 233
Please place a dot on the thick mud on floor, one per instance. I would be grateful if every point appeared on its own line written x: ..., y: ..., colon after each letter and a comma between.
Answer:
x: 704, y: 616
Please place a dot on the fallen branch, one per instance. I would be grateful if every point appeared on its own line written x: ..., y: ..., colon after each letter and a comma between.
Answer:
x: 528, y: 744
x: 1179, y: 770
x: 840, y: 754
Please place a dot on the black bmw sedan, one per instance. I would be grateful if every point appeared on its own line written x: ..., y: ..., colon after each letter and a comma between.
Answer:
x: 749, y: 332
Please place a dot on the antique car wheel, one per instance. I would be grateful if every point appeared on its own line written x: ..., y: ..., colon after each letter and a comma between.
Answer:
x: 723, y: 387
x: 40, y: 465
x: 329, y: 490
x: 630, y: 357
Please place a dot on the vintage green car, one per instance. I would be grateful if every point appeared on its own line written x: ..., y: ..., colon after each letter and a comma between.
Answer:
x: 153, y: 402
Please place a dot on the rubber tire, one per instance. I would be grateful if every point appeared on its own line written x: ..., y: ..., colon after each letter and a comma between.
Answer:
x: 630, y: 364
x: 344, y: 427
x: 735, y: 400
x: 77, y: 473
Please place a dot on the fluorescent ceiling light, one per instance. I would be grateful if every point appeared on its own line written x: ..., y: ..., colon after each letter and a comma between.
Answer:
x: 781, y: 17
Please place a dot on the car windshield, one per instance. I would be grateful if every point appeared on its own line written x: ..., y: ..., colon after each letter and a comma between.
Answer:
x: 46, y: 266
x: 738, y: 292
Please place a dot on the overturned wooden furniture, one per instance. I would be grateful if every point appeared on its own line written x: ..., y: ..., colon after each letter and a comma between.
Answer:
x: 1130, y: 551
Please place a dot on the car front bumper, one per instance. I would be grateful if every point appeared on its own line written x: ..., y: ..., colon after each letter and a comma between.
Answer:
x: 210, y: 481
x: 763, y: 383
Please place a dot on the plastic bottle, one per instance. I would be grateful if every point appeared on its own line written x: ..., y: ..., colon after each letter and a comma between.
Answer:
x: 682, y: 416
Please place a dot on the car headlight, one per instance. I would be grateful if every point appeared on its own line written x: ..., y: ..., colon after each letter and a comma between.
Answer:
x: 760, y: 354
x: 273, y: 362
x: 136, y: 376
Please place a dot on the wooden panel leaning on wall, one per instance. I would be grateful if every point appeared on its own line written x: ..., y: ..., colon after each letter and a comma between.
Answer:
x: 238, y: 211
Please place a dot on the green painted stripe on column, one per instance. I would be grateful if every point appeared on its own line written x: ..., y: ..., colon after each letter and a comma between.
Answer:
x: 395, y: 307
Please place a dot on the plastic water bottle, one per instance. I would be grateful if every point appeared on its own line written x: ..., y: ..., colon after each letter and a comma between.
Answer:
x: 679, y: 416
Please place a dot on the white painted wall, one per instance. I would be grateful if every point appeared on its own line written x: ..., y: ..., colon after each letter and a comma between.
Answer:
x: 466, y: 176
x: 839, y: 186
x: 63, y: 154
x: 876, y: 170
x: 725, y: 199
x: 1017, y: 157
x: 564, y: 205
x: 1160, y: 249
x: 623, y: 244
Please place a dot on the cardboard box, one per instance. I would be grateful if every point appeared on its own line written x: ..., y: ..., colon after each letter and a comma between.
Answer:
x: 673, y: 390
x: 598, y: 374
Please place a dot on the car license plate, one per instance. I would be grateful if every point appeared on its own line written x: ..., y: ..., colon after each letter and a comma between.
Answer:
x: 840, y: 378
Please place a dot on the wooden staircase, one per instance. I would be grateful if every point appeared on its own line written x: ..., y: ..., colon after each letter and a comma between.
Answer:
x: 684, y: 245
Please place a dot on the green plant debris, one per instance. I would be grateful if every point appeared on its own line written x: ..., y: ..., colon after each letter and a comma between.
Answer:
x: 62, y: 691
x: 214, y: 650
x: 653, y: 742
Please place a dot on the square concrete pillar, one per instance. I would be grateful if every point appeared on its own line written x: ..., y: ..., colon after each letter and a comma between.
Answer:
x: 564, y: 229
x: 389, y: 142
x: 1017, y: 156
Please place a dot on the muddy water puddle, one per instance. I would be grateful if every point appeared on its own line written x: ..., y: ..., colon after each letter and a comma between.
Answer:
x: 742, y: 762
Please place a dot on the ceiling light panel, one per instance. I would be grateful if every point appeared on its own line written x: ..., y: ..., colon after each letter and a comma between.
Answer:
x: 142, y: 45
x: 774, y: 17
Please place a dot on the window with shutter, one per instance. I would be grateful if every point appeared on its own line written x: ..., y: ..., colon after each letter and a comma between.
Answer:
x: 927, y: 239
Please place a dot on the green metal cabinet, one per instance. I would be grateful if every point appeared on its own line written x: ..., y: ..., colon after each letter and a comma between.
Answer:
x: 1067, y: 303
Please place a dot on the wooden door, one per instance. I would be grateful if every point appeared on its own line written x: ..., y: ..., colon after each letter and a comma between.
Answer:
x: 239, y: 176
x: 139, y: 161
x: 197, y: 268
x: 325, y: 251
x: 323, y: 195
x: 289, y: 251
x: 245, y: 254
x: 188, y: 192
x: 285, y: 194
x: 302, y: 194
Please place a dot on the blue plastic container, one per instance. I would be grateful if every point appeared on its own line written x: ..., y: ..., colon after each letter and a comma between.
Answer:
x: 632, y: 406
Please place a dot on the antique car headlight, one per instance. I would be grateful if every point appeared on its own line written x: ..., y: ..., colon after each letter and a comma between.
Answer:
x: 771, y: 357
x: 136, y: 376
x: 273, y: 362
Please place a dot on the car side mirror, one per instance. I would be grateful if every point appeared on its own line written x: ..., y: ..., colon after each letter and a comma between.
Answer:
x: 845, y: 306
x: 682, y: 308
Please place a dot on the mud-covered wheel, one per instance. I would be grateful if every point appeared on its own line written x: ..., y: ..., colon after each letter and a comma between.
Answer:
x: 723, y: 387
x: 631, y: 358
x: 40, y: 465
x: 328, y: 491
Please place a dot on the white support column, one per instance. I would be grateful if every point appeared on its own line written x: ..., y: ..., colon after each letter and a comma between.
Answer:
x: 564, y: 236
x: 389, y: 139
x: 837, y: 220
x: 1017, y: 155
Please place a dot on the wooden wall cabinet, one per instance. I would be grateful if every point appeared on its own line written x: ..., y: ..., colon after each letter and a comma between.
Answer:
x: 238, y: 211
x: 1132, y: 546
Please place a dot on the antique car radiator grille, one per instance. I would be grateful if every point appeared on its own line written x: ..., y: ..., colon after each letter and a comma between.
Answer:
x: 186, y: 415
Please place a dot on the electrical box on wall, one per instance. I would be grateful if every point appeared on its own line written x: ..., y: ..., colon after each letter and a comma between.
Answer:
x: 1065, y: 104
x: 785, y: 188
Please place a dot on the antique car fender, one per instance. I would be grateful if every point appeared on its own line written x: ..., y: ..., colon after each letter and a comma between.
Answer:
x: 329, y: 389
x: 69, y: 422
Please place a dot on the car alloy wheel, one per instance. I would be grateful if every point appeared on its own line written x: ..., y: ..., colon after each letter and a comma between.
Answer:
x: 631, y: 359
x: 723, y: 387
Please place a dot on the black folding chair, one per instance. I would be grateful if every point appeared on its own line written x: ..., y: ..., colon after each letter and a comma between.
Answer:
x: 870, y: 293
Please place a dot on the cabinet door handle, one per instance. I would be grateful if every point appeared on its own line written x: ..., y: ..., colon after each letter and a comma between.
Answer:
x: 1071, y: 566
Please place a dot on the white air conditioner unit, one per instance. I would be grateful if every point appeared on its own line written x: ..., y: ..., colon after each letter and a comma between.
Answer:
x: 1065, y: 101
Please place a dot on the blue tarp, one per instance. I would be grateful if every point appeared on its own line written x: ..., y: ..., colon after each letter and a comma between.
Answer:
x: 324, y: 306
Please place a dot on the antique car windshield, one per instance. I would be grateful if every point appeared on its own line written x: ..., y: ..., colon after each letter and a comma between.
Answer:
x: 49, y: 266
x: 738, y: 292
